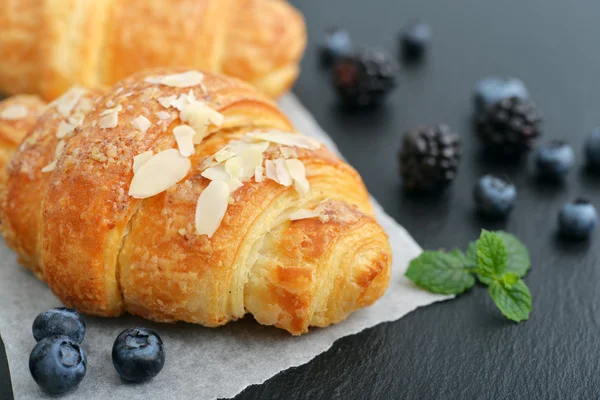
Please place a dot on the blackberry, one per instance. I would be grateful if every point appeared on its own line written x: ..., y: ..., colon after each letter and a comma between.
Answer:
x: 509, y: 128
x: 429, y: 158
x: 365, y: 78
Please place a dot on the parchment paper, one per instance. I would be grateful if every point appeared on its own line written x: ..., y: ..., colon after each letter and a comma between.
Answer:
x: 201, y: 363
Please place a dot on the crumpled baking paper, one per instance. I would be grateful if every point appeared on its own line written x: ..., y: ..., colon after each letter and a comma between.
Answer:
x: 201, y: 363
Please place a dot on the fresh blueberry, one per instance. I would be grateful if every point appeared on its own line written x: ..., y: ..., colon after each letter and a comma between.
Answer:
x: 577, y: 219
x: 57, y: 364
x: 555, y: 159
x: 491, y: 90
x: 592, y: 149
x: 494, y: 197
x: 415, y: 39
x: 59, y: 321
x: 138, y: 354
x: 336, y: 44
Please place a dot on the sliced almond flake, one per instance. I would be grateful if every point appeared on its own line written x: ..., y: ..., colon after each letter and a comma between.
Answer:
x: 258, y: 174
x: 287, y: 139
x: 60, y: 147
x: 234, y: 166
x: 271, y: 171
x: 166, y: 101
x: 191, y: 97
x: 304, y: 214
x: 163, y: 115
x: 110, y: 104
x: 283, y: 174
x: 14, y: 112
x: 184, y: 79
x: 50, y: 167
x: 159, y: 173
x: 234, y: 184
x: 180, y: 102
x: 184, y: 135
x: 110, y: 120
x: 141, y: 123
x: 182, y: 231
x: 140, y: 159
x: 211, y: 207
x: 298, y: 174
x: 223, y: 155
x: 64, y: 128
x: 117, y: 109
x: 199, y: 116
x: 288, y: 152
x: 216, y: 173
x: 67, y: 101
x: 251, y: 158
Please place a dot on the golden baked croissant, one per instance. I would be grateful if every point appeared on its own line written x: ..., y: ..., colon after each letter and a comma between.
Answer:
x: 47, y: 46
x: 18, y: 115
x: 183, y: 196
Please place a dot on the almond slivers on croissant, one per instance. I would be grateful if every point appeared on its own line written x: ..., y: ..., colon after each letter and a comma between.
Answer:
x: 253, y: 218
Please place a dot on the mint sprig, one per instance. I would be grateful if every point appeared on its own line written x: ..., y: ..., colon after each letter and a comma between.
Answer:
x: 440, y: 273
x: 498, y: 259
x: 518, y: 256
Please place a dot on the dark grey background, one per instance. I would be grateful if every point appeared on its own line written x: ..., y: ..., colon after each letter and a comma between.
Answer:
x: 464, y: 349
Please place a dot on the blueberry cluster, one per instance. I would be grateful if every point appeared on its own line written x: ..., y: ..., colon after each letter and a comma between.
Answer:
x: 58, y: 363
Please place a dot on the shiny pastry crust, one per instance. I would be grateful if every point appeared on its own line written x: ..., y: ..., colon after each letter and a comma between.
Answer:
x: 106, y: 253
x: 27, y: 183
x: 48, y: 46
x: 12, y: 130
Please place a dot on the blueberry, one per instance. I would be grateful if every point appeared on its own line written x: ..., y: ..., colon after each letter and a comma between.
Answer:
x: 592, y: 149
x: 59, y: 321
x: 555, y: 159
x: 336, y: 44
x: 494, y: 197
x: 138, y: 354
x: 57, y: 364
x: 577, y: 219
x: 491, y: 90
x: 415, y: 39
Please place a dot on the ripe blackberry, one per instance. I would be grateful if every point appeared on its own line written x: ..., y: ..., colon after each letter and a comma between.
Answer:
x: 365, y: 78
x: 509, y: 128
x: 429, y: 158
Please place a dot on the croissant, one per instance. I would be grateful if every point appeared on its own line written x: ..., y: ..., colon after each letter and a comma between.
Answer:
x: 48, y: 46
x: 18, y: 115
x: 185, y: 196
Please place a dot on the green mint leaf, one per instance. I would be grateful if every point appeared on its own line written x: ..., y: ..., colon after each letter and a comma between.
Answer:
x: 459, y: 255
x: 514, y: 301
x: 440, y: 272
x: 518, y: 256
x: 509, y: 279
x: 491, y: 255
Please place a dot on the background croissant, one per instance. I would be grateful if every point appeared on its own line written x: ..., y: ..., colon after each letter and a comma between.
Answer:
x: 294, y: 249
x: 47, y: 46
